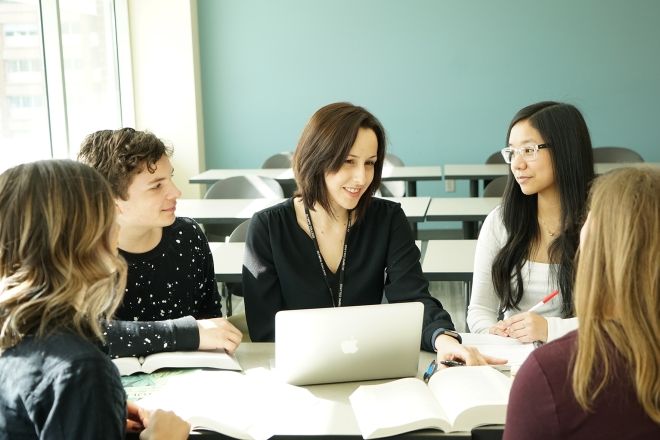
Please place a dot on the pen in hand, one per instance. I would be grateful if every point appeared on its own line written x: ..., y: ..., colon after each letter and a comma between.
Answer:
x: 430, y: 370
x: 547, y: 298
x: 452, y: 363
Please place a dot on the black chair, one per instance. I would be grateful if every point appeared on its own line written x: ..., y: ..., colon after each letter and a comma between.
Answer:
x: 282, y: 160
x: 239, y: 187
x: 616, y: 155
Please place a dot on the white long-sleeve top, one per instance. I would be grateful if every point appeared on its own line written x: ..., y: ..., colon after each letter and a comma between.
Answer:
x: 537, y: 283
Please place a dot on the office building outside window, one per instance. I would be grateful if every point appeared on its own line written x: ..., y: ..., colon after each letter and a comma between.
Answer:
x: 59, y: 76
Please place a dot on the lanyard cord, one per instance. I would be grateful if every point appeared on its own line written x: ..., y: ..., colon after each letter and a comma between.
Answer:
x: 343, y: 258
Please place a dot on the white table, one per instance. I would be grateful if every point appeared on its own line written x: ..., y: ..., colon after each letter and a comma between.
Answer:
x: 333, y: 417
x: 442, y: 260
x: 468, y: 210
x: 450, y: 260
x: 235, y: 211
x: 476, y: 172
x: 409, y: 174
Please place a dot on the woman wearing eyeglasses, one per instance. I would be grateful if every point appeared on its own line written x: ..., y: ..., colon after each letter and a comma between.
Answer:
x: 526, y: 246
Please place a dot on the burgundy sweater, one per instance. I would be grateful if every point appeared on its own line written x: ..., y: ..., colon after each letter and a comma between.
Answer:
x: 542, y: 404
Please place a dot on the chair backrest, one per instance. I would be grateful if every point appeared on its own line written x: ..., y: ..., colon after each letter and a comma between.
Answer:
x: 395, y: 188
x: 239, y: 234
x: 496, y: 157
x: 495, y: 187
x: 279, y: 160
x: 615, y: 155
x: 239, y: 187
x: 245, y: 187
x: 282, y: 160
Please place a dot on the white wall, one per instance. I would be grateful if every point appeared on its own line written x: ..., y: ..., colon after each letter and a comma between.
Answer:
x: 167, y: 83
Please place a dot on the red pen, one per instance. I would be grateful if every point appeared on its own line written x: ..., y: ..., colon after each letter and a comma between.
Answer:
x: 547, y: 298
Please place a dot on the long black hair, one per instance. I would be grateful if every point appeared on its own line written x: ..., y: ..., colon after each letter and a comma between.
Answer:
x: 563, y: 127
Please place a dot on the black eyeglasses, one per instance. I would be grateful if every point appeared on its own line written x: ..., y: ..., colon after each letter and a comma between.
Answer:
x: 528, y: 153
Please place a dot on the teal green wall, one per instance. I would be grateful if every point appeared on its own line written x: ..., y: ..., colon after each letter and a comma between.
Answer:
x: 443, y: 76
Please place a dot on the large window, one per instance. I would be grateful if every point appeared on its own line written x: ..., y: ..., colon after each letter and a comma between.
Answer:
x: 24, y: 128
x: 59, y: 76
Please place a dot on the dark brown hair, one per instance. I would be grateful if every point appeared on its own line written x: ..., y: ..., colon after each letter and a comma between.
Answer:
x: 121, y: 154
x: 325, y: 144
x: 563, y: 127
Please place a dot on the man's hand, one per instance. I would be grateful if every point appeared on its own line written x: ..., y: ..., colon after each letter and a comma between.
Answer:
x: 218, y: 333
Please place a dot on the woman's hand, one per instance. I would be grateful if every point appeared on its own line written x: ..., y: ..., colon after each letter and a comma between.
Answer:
x: 499, y: 329
x: 527, y: 327
x: 448, y: 348
x: 162, y: 425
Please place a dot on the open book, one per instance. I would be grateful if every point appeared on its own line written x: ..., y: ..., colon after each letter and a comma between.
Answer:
x: 243, y: 406
x: 455, y: 399
x: 218, y: 359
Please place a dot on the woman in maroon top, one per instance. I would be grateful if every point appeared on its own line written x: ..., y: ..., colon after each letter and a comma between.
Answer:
x: 603, y: 381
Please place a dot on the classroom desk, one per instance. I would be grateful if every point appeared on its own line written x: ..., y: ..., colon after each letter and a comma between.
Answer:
x: 335, y: 420
x: 476, y: 172
x: 442, y: 260
x: 450, y: 260
x: 409, y: 174
x: 228, y: 264
x: 468, y: 210
x: 208, y: 211
x: 233, y: 210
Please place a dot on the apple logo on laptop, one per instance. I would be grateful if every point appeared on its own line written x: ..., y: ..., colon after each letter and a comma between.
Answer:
x: 349, y: 346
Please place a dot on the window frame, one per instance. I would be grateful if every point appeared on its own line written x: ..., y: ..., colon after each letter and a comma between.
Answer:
x: 56, y: 100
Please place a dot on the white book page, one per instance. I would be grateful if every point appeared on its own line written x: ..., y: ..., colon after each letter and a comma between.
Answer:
x: 395, y: 407
x: 458, y: 389
x: 127, y: 365
x: 242, y: 406
x: 191, y: 359
x: 220, y: 400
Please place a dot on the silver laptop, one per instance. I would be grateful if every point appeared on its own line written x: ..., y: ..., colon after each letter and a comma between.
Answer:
x: 348, y: 343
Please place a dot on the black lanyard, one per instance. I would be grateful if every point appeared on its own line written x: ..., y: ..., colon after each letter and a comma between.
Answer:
x: 343, y: 258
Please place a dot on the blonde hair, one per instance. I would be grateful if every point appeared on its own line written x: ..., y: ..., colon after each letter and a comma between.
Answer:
x: 58, y: 266
x: 617, y: 288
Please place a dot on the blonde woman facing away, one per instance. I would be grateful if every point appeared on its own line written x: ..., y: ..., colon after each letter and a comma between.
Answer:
x: 603, y: 381
x: 60, y: 276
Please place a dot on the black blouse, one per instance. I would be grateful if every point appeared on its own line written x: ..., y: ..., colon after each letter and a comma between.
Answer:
x: 60, y: 386
x: 281, y: 270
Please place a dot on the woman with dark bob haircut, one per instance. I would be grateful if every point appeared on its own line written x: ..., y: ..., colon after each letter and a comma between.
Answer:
x: 330, y: 244
x: 526, y: 246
